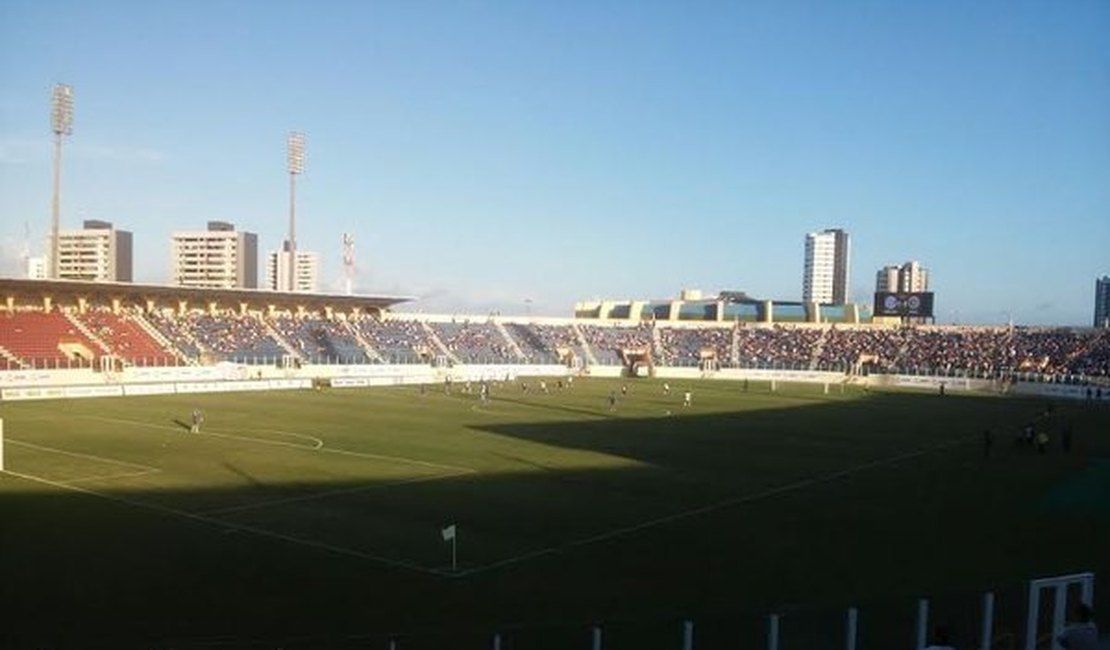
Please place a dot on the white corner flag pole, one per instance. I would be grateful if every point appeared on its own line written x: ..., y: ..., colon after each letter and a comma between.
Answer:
x: 450, y: 534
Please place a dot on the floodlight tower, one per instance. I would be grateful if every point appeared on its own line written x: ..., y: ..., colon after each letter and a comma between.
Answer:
x: 348, y: 263
x: 294, y: 146
x: 61, y: 122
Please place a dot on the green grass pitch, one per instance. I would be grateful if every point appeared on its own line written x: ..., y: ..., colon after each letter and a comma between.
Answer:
x: 313, y: 519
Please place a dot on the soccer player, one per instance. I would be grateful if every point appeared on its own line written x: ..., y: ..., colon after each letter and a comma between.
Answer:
x: 612, y: 400
x: 1042, y: 441
x: 687, y: 399
x: 666, y: 388
x: 198, y: 418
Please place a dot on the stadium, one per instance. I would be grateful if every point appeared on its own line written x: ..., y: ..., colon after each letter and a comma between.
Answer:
x: 237, y: 468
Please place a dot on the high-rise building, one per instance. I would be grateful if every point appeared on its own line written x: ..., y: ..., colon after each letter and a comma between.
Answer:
x: 36, y: 268
x: 825, y: 279
x: 218, y: 258
x: 911, y: 277
x: 96, y: 253
x: 886, y: 280
x: 1102, y: 301
x: 307, y: 271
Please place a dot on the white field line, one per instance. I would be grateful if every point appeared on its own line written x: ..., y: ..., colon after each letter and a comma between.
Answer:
x: 317, y: 443
x: 109, y: 477
x: 718, y: 505
x: 227, y: 525
x: 325, y: 494
x: 278, y: 443
x: 146, y: 468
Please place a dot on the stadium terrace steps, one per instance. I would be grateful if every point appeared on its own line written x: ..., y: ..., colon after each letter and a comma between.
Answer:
x: 72, y: 318
x: 44, y: 339
x: 434, y: 338
x: 818, y: 349
x: 272, y: 332
x: 140, y: 321
x: 584, y: 345
x: 57, y: 339
x: 11, y: 359
x: 178, y: 336
x: 367, y: 348
x: 510, y: 341
x: 123, y: 337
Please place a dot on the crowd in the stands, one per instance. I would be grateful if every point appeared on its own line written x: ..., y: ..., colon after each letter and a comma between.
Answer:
x: 475, y: 342
x: 608, y: 342
x: 396, y: 340
x: 204, y: 337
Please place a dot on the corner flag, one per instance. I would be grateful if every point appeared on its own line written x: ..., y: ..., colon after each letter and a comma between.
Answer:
x: 448, y: 533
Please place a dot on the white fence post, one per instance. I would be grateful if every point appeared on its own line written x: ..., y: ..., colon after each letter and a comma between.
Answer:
x: 850, y: 631
x: 1059, y: 586
x: 922, y: 623
x: 987, y: 636
x: 773, y: 632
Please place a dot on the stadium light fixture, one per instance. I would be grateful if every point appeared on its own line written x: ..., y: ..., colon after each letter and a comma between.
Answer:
x: 61, y: 122
x: 294, y: 148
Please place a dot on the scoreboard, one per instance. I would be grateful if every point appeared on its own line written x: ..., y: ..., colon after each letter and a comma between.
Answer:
x: 913, y: 305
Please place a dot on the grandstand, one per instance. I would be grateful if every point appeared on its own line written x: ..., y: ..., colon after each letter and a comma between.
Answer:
x: 545, y: 478
x: 47, y: 327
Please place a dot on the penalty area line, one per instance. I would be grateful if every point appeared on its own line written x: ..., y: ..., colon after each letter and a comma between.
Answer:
x: 147, y: 469
x: 227, y: 525
x: 717, y: 505
x: 322, y: 448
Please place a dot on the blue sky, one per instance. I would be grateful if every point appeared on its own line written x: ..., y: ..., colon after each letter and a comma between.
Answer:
x: 485, y: 153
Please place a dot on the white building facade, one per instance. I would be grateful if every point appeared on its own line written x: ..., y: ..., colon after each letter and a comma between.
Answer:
x: 306, y: 272
x: 36, y: 268
x: 96, y: 253
x: 218, y: 258
x: 910, y: 277
x: 825, y: 277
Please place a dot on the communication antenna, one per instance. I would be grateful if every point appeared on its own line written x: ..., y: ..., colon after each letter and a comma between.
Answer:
x: 348, y: 263
x: 25, y: 255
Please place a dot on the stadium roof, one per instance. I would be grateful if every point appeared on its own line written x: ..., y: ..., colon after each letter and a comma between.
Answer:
x: 22, y: 292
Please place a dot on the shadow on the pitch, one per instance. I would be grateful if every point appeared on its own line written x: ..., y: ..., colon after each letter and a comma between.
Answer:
x: 146, y: 565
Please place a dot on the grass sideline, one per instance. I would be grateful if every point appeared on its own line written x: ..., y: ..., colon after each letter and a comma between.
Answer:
x: 313, y: 518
